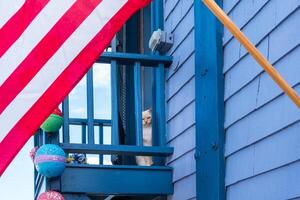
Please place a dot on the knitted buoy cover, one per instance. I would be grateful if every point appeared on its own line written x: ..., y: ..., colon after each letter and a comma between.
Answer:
x: 51, y: 195
x: 54, y: 122
x: 50, y: 160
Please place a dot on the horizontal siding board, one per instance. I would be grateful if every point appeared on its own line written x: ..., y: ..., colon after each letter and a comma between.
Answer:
x: 275, y: 151
x: 182, y: 99
x: 228, y: 5
x: 178, y: 12
x: 261, y: 123
x: 180, y: 95
x: 185, y: 143
x: 288, y: 68
x: 264, y: 93
x: 262, y: 25
x: 282, y: 183
x: 169, y: 6
x: 282, y: 9
x: 184, y: 189
x: 242, y: 103
x: 242, y: 14
x: 285, y: 37
x: 231, y: 54
x: 183, y: 166
x: 183, y: 30
x: 182, y: 53
x: 234, y: 171
x: 181, y: 77
x: 291, y: 57
x: 181, y: 122
x: 244, y: 71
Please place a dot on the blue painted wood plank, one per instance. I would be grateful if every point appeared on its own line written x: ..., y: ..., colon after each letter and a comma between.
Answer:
x: 138, y: 104
x: 117, y: 149
x: 143, y: 180
x: 90, y: 107
x: 114, y: 104
x: 83, y: 134
x: 131, y: 58
x: 66, y: 128
x: 101, y: 141
x: 160, y: 104
x: 209, y: 105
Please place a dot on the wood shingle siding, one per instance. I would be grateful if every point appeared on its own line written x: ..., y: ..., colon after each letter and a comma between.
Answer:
x: 180, y: 97
x: 262, y: 124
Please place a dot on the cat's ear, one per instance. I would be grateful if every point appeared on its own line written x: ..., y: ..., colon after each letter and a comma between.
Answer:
x: 150, y: 110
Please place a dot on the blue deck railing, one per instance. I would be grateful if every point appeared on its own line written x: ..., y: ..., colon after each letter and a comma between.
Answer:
x: 91, y: 126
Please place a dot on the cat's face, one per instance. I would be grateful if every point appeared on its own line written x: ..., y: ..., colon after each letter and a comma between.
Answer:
x: 147, y: 117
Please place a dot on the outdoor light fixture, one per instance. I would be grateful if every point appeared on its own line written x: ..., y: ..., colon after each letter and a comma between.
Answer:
x: 161, y: 41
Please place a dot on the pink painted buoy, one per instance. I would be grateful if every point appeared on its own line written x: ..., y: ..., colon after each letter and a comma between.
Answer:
x: 51, y: 195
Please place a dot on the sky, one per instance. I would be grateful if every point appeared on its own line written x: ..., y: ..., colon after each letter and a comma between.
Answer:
x: 17, y: 181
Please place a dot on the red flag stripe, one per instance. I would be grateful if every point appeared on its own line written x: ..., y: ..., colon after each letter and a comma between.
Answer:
x: 45, y: 50
x: 16, y: 25
x: 9, y: 8
x: 36, y: 31
x: 57, y: 64
x: 54, y: 95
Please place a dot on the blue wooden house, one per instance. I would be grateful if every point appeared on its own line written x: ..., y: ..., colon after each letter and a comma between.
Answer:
x: 222, y: 129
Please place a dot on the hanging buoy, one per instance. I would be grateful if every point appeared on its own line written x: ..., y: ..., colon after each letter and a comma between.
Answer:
x: 54, y: 122
x: 51, y: 195
x: 50, y: 160
x: 33, y: 152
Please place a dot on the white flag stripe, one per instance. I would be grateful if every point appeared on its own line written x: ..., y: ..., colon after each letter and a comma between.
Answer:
x: 39, y: 27
x: 9, y: 7
x: 57, y: 64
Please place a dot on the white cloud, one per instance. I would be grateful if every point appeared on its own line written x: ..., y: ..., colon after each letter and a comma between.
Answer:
x: 78, y: 111
x: 101, y: 75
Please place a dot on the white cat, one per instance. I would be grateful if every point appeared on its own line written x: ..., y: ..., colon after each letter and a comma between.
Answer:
x: 147, y: 138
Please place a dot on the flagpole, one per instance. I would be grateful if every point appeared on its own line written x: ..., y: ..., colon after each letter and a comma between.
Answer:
x: 257, y: 55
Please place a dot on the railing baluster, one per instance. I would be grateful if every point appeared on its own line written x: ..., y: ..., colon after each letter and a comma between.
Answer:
x: 90, y: 107
x: 66, y: 126
x: 83, y: 134
x: 114, y: 104
x: 154, y: 108
x: 101, y: 142
x: 160, y: 104
x: 138, y: 104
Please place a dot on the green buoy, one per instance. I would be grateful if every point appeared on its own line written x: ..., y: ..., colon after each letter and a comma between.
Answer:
x: 54, y: 122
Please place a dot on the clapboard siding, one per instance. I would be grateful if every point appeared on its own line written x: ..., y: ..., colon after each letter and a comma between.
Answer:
x: 180, y: 97
x: 262, y: 125
x: 262, y: 24
x: 184, y: 189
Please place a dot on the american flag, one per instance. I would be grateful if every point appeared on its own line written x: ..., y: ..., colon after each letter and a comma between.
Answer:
x: 46, y: 47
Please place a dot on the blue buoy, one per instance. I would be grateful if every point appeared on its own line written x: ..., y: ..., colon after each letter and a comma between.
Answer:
x: 50, y: 160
